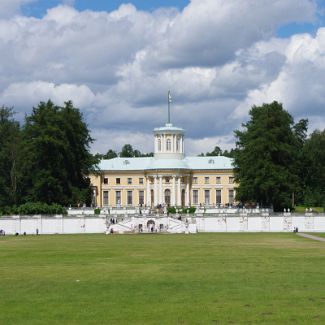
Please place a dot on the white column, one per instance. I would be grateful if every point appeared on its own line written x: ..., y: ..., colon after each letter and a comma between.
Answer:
x: 148, y: 194
x: 160, y: 191
x: 179, y: 196
x: 187, y: 197
x: 173, y: 191
x: 155, y: 191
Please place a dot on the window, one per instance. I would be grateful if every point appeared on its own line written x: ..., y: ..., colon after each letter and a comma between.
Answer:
x: 141, y: 197
x: 118, y: 181
x: 118, y: 197
x: 218, y: 197
x: 167, y: 179
x: 218, y: 180
x: 206, y: 180
x: 231, y: 180
x: 207, y: 196
x: 194, y: 180
x: 105, y: 180
x: 167, y: 196
x: 195, y: 196
x: 159, y: 145
x: 140, y: 180
x: 105, y: 198
x: 129, y: 180
x: 231, y: 196
x: 129, y: 197
x: 168, y: 145
x: 178, y: 144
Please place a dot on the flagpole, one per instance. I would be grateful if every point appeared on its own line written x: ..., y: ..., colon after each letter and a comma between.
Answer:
x: 168, y: 99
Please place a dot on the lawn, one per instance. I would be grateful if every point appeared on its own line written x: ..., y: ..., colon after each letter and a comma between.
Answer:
x: 162, y: 279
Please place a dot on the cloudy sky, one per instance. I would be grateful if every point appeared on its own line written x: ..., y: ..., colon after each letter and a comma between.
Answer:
x: 116, y: 60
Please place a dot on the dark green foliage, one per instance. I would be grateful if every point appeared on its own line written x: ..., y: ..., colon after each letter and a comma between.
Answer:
x: 265, y: 159
x: 31, y: 208
x: 110, y: 154
x: 314, y: 169
x: 128, y: 152
x: 218, y: 152
x: 97, y: 211
x: 10, y: 140
x: 173, y: 210
x: 57, y: 159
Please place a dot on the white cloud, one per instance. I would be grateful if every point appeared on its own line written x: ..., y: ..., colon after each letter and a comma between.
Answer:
x: 217, y: 57
x: 300, y: 83
x: 27, y: 95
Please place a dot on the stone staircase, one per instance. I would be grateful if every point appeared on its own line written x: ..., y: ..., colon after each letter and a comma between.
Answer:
x: 151, y: 224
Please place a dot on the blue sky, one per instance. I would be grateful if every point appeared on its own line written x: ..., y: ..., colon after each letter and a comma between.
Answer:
x: 39, y: 7
x: 218, y: 57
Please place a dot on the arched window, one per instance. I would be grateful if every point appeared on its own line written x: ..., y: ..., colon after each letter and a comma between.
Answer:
x: 167, y: 196
x: 168, y: 145
x: 159, y: 145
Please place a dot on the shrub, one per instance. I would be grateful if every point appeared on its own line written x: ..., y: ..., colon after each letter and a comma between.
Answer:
x: 32, y: 208
x: 97, y: 211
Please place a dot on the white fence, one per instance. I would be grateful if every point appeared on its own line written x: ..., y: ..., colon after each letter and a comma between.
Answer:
x: 286, y: 222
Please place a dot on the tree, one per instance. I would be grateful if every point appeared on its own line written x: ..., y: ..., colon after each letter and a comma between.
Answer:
x: 127, y: 151
x: 110, y: 154
x: 57, y: 157
x: 300, y: 133
x: 314, y: 169
x: 10, y: 158
x: 265, y: 157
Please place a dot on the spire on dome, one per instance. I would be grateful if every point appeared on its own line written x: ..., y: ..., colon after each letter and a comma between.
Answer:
x: 169, y: 101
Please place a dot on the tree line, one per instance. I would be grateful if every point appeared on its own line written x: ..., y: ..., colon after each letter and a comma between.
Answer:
x: 127, y: 151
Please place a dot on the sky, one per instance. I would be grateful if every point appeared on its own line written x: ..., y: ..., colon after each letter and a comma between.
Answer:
x: 116, y: 60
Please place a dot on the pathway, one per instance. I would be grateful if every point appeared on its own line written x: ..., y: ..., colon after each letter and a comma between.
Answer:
x: 311, y: 236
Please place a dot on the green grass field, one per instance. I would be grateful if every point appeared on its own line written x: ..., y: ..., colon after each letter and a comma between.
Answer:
x: 162, y: 279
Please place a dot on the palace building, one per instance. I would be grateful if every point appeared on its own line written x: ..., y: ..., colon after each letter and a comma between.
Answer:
x: 170, y: 178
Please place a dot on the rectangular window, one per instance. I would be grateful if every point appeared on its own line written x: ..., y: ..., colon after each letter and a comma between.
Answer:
x: 105, y: 198
x: 218, y: 197
x: 218, y: 180
x: 167, y: 179
x: 231, y: 180
x: 105, y: 180
x: 231, y: 196
x: 140, y: 180
x: 194, y: 180
x: 118, y: 181
x: 206, y: 180
x: 207, y: 197
x: 129, y: 181
x: 118, y: 197
x: 129, y: 198
x: 195, y: 197
x: 141, y: 197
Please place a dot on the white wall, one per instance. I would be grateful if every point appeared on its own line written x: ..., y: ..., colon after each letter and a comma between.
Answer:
x: 212, y: 223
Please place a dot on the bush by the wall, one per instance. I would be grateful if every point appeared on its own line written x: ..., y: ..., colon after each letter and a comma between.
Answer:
x: 32, y: 208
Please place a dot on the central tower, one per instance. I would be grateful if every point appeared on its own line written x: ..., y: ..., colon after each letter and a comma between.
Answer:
x: 169, y: 140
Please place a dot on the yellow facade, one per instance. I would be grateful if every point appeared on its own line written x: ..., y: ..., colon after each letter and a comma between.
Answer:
x: 114, y: 189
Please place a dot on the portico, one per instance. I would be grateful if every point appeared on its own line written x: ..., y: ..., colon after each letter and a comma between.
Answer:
x: 168, y: 188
